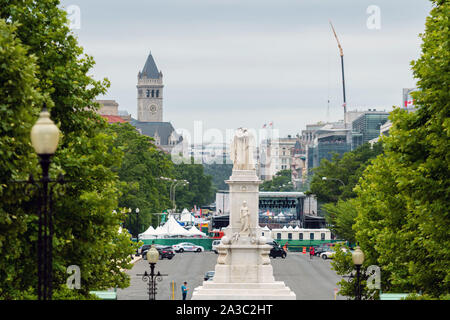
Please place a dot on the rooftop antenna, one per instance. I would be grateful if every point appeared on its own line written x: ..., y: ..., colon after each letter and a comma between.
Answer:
x: 341, y: 52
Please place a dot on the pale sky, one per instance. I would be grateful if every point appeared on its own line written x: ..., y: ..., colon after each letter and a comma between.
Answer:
x: 243, y: 63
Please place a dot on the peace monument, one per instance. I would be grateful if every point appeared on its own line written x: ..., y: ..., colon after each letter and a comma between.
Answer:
x: 243, y: 270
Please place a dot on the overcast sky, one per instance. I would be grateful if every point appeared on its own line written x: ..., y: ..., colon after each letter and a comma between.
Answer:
x: 233, y: 63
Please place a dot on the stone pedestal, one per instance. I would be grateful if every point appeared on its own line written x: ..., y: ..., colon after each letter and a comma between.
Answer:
x: 243, y: 270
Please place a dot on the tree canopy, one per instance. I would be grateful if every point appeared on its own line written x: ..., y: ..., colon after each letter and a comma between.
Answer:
x: 403, y: 201
x: 41, y: 61
x: 280, y: 182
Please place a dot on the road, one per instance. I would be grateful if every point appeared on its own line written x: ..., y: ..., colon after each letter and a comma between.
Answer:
x: 309, y: 279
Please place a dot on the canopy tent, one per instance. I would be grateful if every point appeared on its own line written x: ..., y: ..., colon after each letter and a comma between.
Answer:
x: 173, y: 228
x: 185, y: 211
x: 159, y: 232
x: 186, y: 217
x: 195, y: 232
x: 148, y: 234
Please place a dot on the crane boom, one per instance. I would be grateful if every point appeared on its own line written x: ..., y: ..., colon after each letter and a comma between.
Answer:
x: 343, y: 79
x: 339, y: 44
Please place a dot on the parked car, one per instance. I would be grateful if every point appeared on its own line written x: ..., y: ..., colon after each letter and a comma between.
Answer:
x: 209, y: 275
x: 164, y: 252
x: 330, y: 253
x: 187, y: 246
x: 215, y: 243
x: 318, y: 250
x: 276, y: 250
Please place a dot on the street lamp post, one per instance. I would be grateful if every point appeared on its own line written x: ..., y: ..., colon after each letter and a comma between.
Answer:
x: 137, y: 224
x: 358, y: 260
x: 184, y: 182
x: 44, y: 139
x: 152, y: 258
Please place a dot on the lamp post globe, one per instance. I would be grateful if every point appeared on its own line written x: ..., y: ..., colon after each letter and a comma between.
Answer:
x: 358, y: 256
x: 44, y: 135
x: 358, y: 260
x: 152, y: 255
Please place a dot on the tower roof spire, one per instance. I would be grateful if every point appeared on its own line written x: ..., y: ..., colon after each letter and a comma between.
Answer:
x: 150, y: 69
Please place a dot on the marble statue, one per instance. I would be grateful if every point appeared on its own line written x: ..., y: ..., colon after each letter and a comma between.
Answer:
x: 245, y: 223
x: 242, y: 150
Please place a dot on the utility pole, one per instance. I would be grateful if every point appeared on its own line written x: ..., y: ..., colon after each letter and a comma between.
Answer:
x: 341, y: 52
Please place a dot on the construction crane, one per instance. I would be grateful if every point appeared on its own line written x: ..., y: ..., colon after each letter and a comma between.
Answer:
x: 341, y: 52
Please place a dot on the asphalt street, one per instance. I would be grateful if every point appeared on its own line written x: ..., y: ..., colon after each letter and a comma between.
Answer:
x: 309, y: 279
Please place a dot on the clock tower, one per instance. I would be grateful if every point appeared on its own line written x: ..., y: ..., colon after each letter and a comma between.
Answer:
x: 150, y: 93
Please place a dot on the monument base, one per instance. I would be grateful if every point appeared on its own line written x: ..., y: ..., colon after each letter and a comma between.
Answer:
x: 211, y: 290
x: 243, y: 272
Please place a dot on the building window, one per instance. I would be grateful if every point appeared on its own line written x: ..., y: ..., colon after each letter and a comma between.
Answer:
x: 311, y: 236
x: 322, y: 236
x: 157, y: 93
x: 153, y: 93
x: 278, y: 236
x: 289, y: 236
x: 148, y: 93
x: 300, y: 236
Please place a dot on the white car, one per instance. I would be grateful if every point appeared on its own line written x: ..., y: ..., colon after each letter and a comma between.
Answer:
x: 187, y: 246
x: 330, y: 254
x: 214, y: 245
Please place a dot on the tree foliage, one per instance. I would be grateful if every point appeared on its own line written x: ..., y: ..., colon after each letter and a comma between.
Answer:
x: 403, y: 199
x: 198, y: 192
x: 219, y: 173
x: 280, y: 182
x: 341, y: 216
x: 41, y: 61
x: 347, y: 169
x: 142, y: 166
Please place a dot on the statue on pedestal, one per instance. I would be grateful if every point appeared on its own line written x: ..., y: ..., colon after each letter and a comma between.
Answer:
x: 245, y: 223
x: 242, y: 150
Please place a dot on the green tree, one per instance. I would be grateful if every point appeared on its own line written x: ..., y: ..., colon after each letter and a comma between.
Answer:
x: 142, y: 166
x: 342, y: 173
x: 403, y: 199
x: 343, y: 265
x: 280, y: 182
x: 198, y: 192
x: 341, y: 218
x: 219, y: 173
x: 42, y: 61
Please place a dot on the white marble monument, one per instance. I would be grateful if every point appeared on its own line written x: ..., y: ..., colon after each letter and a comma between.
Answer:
x: 243, y: 270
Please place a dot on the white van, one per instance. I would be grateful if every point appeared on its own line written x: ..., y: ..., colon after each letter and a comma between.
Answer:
x: 215, y: 243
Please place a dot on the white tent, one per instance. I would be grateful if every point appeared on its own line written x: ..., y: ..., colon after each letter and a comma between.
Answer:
x: 195, y: 232
x: 266, y: 228
x: 173, y: 228
x: 148, y: 234
x: 186, y: 217
x: 159, y: 232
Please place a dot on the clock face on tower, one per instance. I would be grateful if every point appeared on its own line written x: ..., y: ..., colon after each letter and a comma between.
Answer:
x: 153, y: 108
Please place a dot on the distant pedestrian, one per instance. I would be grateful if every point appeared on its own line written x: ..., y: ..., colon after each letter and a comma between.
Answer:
x: 285, y: 246
x: 184, y: 290
x: 311, y: 252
